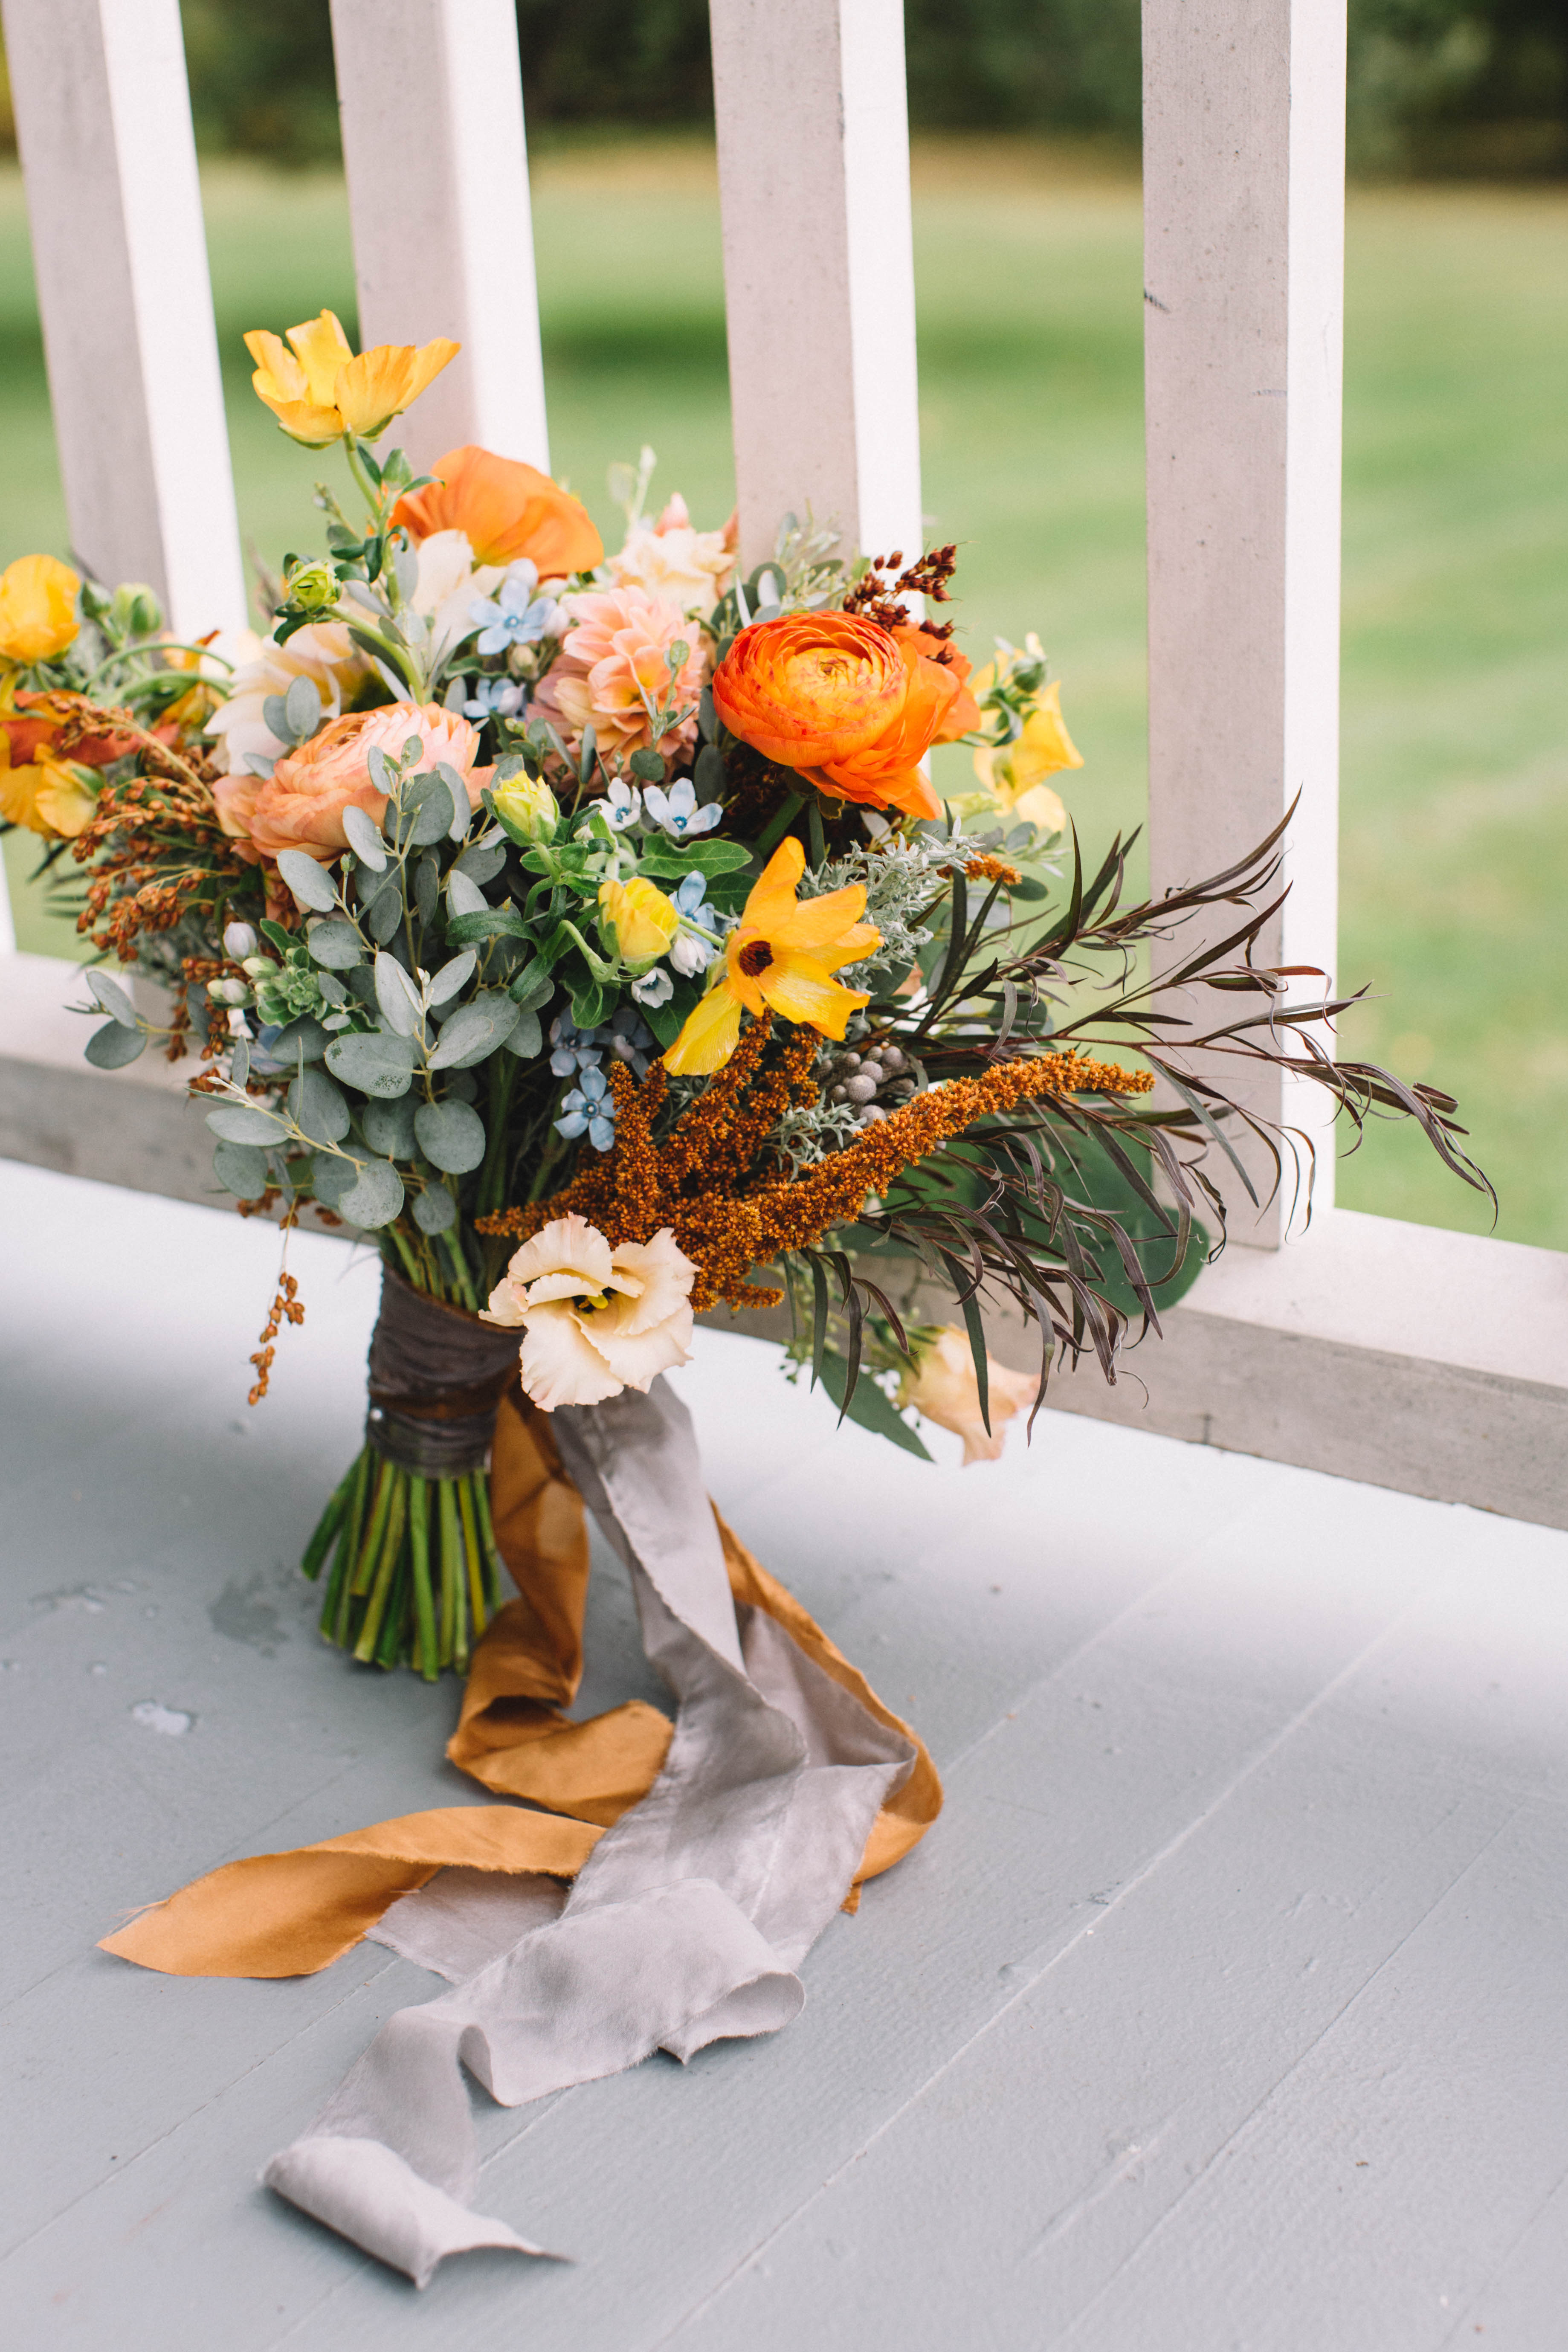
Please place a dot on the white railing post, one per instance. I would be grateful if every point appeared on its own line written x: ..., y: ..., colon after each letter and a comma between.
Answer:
x: 434, y: 147
x: 103, y: 124
x: 814, y: 177
x: 1244, y: 236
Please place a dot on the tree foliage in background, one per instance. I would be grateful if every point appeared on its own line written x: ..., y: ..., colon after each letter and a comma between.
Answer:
x: 1436, y: 86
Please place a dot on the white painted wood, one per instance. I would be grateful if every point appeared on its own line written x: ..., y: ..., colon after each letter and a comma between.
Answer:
x: 814, y: 180
x: 434, y: 146
x: 1243, y: 227
x: 1221, y: 2006
x: 103, y: 124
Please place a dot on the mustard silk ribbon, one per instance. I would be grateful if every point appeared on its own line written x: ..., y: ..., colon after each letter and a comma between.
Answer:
x: 281, y: 1914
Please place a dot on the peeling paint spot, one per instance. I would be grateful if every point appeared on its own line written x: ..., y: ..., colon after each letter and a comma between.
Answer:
x: 171, y: 1720
x: 242, y: 1613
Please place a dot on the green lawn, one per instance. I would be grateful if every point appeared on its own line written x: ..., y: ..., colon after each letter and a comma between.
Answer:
x: 1456, y: 768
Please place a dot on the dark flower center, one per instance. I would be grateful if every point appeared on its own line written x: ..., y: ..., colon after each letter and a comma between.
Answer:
x: 755, y: 957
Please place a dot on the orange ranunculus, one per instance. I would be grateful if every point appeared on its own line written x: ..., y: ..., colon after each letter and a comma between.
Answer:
x: 319, y: 391
x: 781, y: 958
x: 301, y: 804
x: 840, y: 699
x: 506, y: 510
x: 964, y: 715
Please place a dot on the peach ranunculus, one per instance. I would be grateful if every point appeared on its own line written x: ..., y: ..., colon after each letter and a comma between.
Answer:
x: 964, y: 715
x: 613, y: 656
x: 838, y: 699
x: 324, y: 653
x: 301, y: 804
x: 595, y: 1320
x: 37, y: 608
x: 320, y: 391
x: 943, y: 1388
x: 507, y: 511
x: 689, y: 569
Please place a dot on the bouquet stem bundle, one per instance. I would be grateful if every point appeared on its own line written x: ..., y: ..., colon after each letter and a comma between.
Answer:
x: 415, y: 1576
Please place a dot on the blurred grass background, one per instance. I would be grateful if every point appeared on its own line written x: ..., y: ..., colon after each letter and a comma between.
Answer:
x: 1455, y: 848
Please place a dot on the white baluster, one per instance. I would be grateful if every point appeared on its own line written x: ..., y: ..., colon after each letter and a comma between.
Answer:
x: 438, y: 171
x: 103, y: 123
x: 814, y: 173
x: 1243, y: 229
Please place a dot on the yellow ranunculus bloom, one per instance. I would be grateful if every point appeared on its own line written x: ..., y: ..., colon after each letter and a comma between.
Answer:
x: 319, y: 391
x: 528, y: 806
x: 37, y: 608
x: 1015, y: 774
x: 640, y: 920
x: 47, y: 795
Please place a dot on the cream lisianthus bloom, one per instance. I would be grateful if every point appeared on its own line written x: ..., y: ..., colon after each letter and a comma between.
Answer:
x: 449, y: 581
x: 943, y: 1388
x: 325, y: 654
x: 594, y: 1319
x: 689, y: 569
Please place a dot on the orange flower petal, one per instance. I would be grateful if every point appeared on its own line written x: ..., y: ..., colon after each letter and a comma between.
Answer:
x: 797, y: 986
x: 711, y: 1036
x: 322, y: 348
x: 506, y: 511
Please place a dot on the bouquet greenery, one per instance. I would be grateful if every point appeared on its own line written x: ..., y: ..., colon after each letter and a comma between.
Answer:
x: 587, y: 929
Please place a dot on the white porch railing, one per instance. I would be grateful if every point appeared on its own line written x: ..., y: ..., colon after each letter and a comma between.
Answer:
x: 1424, y: 1359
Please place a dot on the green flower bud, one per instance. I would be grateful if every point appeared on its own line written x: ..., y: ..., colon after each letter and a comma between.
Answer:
x: 135, y: 611
x: 312, y: 585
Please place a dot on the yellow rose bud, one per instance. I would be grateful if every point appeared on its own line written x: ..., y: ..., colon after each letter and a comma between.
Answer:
x: 640, y: 919
x: 528, y: 807
x: 37, y: 608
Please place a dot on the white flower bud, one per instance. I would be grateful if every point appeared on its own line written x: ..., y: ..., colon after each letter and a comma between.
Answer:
x: 239, y: 940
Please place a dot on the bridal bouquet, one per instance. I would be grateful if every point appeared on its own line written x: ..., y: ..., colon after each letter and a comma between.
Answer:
x: 587, y: 930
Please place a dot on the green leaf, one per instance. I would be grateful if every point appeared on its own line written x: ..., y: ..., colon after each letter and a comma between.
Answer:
x: 396, y: 996
x: 451, y: 1136
x: 375, y: 1197
x: 698, y: 857
x: 481, y: 863
x: 532, y: 987
x: 495, y: 923
x: 431, y: 801
x: 303, y: 1036
x: 317, y: 1108
x: 277, y: 936
x: 336, y: 946
x: 112, y: 998
x: 388, y: 1128
x: 976, y: 1330
x: 110, y: 1047
x: 302, y: 706
x: 525, y: 1038
x: 383, y: 915
x: 241, y: 1170
x: 475, y: 1031
x: 647, y: 767
x: 363, y: 839
x: 311, y: 883
x: 589, y: 1004
x: 434, y: 1211
x: 243, y: 1123
x: 869, y: 1407
x: 453, y: 976
x: 331, y: 1177
x: 381, y: 1064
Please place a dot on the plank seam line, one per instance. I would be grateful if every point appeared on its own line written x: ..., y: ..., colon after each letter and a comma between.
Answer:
x: 1156, y: 1861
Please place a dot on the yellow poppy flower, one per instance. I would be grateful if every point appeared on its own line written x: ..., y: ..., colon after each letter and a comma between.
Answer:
x: 319, y: 391
x: 781, y: 958
x: 47, y: 795
x: 638, y: 919
x: 1015, y: 774
x: 37, y: 608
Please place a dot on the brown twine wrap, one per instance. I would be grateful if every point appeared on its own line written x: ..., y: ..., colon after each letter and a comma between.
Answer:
x: 437, y: 1375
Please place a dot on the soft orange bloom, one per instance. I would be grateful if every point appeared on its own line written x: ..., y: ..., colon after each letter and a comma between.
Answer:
x: 319, y: 391
x: 781, y: 958
x: 964, y: 714
x: 612, y: 664
x: 942, y: 1387
x: 841, y: 701
x: 506, y: 510
x: 301, y: 804
x: 37, y: 608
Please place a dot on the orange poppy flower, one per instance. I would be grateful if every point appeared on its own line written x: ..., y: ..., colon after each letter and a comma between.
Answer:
x: 506, y: 510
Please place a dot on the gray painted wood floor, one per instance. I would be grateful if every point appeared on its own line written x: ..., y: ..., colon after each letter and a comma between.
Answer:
x: 1224, y: 2007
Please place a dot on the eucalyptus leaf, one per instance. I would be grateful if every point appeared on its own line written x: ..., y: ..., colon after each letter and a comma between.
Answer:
x: 311, y: 883
x: 381, y: 1065
x: 239, y: 1061
x: 303, y: 1036
x: 275, y: 717
x: 427, y: 886
x: 375, y: 1197
x: 112, y: 998
x: 110, y: 1047
x: 302, y: 704
x: 434, y: 1211
x: 406, y: 564
x: 332, y: 990
x: 384, y: 776
x: 364, y: 838
x: 395, y: 994
x: 243, y: 1123
x: 474, y: 1031
x: 708, y: 775
x: 317, y: 1108
x: 525, y: 1038
x: 532, y: 987
x: 464, y: 895
x: 482, y: 860
x: 331, y: 1177
x: 385, y: 913
x: 462, y: 807
x: 336, y: 945
x: 241, y: 1170
x: 452, y: 976
x: 495, y: 923
x: 451, y: 1136
x: 388, y: 1128
x: 431, y: 804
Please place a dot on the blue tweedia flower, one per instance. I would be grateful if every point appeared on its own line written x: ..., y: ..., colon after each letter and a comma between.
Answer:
x: 622, y: 805
x: 629, y: 1037
x: 514, y: 615
x: 574, y: 1049
x: 495, y: 698
x: 589, y: 1109
x: 676, y: 812
x: 654, y: 987
x: 691, y: 954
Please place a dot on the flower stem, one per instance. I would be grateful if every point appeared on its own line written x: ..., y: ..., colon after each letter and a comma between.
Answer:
x: 424, y: 1605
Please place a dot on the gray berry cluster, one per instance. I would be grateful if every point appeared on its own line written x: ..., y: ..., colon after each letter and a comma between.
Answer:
x: 872, y: 1083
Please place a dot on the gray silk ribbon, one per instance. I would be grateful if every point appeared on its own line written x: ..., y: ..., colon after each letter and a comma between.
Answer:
x: 687, y: 1924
